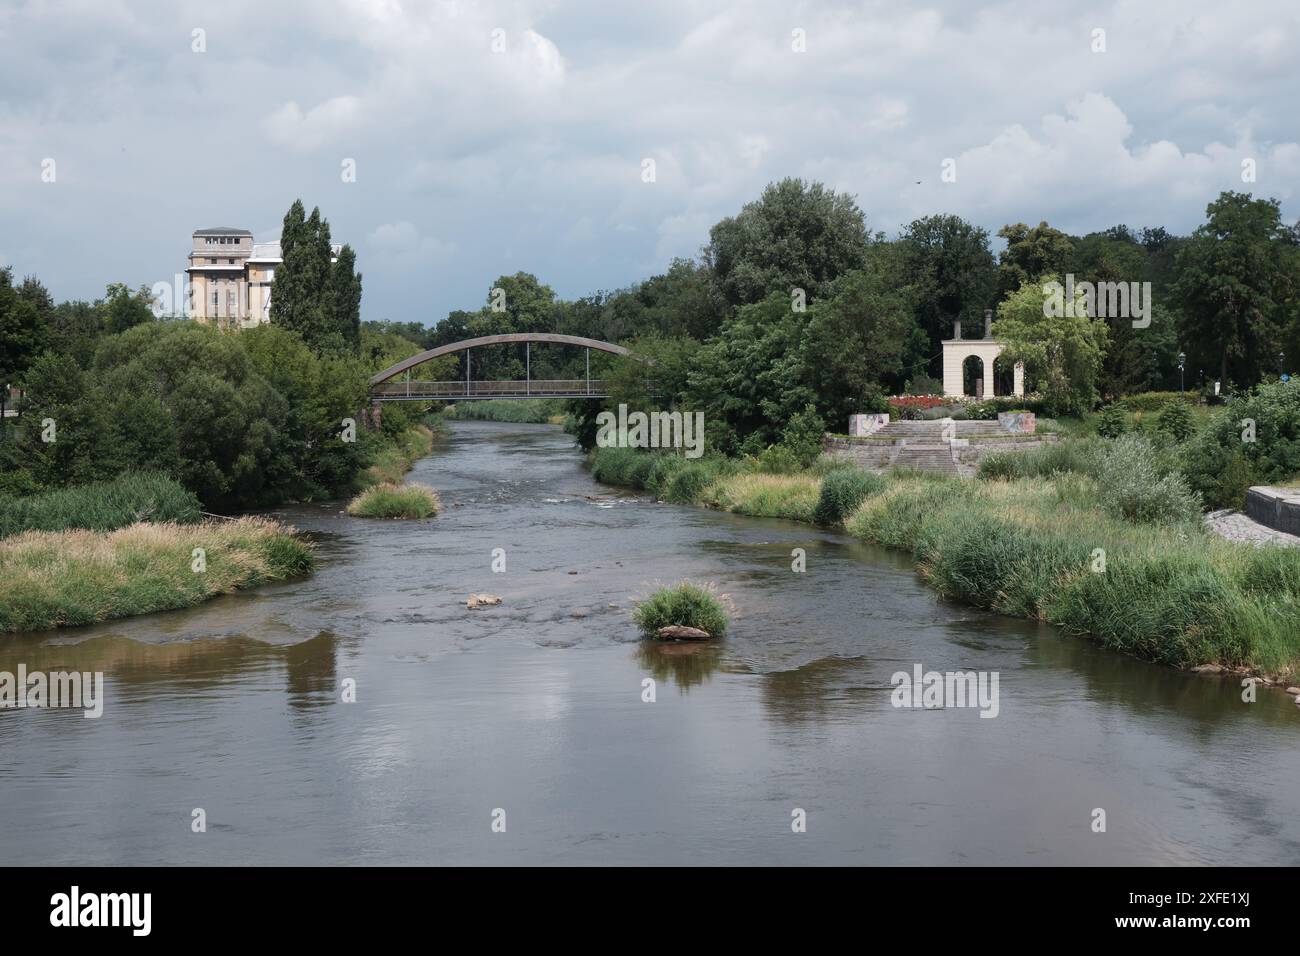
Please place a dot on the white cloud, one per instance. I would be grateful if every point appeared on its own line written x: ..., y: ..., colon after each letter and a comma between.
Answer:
x: 463, y: 152
x: 323, y: 123
x: 399, y: 245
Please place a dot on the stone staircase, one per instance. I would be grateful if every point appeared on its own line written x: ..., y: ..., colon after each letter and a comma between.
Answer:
x: 933, y: 431
x: 925, y: 457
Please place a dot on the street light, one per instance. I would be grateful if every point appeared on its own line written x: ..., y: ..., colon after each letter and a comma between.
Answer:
x: 1182, y: 363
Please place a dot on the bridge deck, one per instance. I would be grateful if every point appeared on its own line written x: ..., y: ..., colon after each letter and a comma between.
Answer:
x: 424, y: 391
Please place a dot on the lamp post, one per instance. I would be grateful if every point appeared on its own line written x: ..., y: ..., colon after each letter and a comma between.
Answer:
x: 1182, y: 364
x: 1281, y: 357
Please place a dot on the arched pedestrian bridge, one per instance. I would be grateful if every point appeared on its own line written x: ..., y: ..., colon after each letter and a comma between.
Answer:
x: 395, y: 384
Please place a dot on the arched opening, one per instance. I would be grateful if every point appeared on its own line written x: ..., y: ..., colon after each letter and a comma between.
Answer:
x: 972, y: 376
x: 1004, y: 376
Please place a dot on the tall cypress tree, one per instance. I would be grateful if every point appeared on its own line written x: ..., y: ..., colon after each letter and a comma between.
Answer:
x: 287, y: 286
x: 345, y: 290
x: 319, y: 300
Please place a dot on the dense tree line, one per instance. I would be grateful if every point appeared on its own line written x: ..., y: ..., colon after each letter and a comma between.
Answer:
x: 794, y: 303
x: 794, y: 315
x: 241, y: 418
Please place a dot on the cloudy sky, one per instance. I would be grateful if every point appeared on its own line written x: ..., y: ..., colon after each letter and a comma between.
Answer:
x: 493, y: 137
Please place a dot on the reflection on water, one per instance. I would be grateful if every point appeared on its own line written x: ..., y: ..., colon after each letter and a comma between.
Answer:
x: 683, y: 664
x: 535, y: 706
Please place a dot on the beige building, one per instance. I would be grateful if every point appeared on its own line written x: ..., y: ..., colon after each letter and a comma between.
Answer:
x: 230, y: 277
x: 957, y: 352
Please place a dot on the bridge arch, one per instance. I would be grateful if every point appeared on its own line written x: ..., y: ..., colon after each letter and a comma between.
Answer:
x: 383, y: 389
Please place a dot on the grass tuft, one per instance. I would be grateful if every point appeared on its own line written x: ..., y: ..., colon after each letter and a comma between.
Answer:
x: 686, y: 604
x: 395, y: 501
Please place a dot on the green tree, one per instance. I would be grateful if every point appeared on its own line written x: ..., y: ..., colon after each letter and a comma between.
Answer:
x: 747, y: 379
x: 796, y: 236
x: 859, y: 337
x: 1031, y: 253
x: 322, y: 391
x: 22, y: 333
x: 124, y: 309
x: 1062, y: 348
x: 310, y: 295
x: 1235, y: 277
x: 345, y: 294
x: 948, y: 262
x: 228, y: 420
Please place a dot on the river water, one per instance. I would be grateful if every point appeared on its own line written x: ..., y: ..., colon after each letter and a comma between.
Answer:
x: 531, y: 714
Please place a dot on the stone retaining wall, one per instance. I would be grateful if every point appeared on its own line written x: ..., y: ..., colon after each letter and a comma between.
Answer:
x: 1277, y: 508
x: 876, y: 454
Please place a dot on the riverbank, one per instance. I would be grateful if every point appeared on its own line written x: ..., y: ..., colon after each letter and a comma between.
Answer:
x: 396, y: 458
x: 67, y: 578
x: 1041, y: 548
x: 537, y: 411
x: 136, y: 545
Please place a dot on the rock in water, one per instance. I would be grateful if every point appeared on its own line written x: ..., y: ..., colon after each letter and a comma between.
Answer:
x: 482, y: 600
x: 680, y: 632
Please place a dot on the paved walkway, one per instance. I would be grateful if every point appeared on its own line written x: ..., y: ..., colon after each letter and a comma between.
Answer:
x: 1236, y: 526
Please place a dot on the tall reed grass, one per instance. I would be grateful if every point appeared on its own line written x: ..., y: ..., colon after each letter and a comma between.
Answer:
x: 101, y: 505
x: 54, y: 579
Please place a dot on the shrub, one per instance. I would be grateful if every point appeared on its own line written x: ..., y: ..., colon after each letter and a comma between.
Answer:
x: 395, y: 501
x: 102, y: 505
x: 1174, y: 608
x: 893, y: 518
x: 923, y: 384
x: 616, y: 466
x: 802, y: 435
x: 1078, y: 455
x: 397, y: 455
x: 1176, y: 421
x: 989, y: 562
x: 1112, y: 422
x: 1220, y: 463
x: 793, y: 497
x: 779, y: 460
x: 842, y: 491
x: 688, y: 482
x: 1153, y: 401
x: 685, y: 604
x: 1132, y: 487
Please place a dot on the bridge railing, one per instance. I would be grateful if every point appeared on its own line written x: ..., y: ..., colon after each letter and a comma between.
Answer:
x: 538, y: 388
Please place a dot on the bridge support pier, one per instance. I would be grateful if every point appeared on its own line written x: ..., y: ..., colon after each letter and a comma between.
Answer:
x: 375, y: 419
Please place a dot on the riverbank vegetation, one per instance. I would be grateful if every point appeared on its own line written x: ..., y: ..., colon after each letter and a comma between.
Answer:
x: 395, y: 501
x: 133, y: 422
x: 521, y: 410
x: 1132, y: 567
x: 101, y: 506
x: 684, y: 605
x: 54, y: 579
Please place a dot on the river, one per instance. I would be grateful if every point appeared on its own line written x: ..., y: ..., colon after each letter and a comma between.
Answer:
x: 531, y: 714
